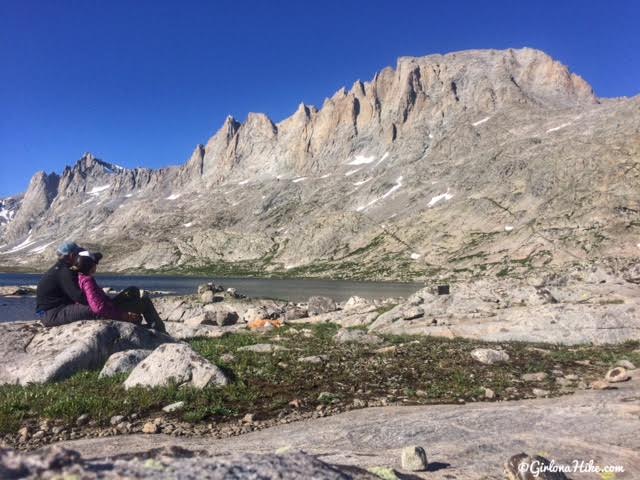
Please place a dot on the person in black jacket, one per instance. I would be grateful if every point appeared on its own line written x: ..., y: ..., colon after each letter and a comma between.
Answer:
x: 59, y: 299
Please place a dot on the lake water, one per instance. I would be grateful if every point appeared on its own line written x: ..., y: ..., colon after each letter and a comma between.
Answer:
x: 292, y: 290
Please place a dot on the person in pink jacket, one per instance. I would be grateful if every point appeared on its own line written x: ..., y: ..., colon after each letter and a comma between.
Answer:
x: 127, y: 306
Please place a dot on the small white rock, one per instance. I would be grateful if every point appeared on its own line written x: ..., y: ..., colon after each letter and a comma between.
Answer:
x: 534, y: 377
x: 115, y: 420
x: 539, y: 392
x: 489, y: 356
x: 261, y: 348
x: 150, y: 427
x: 248, y: 418
x: 617, y: 374
x: 314, y: 359
x: 174, y: 407
x: 414, y: 459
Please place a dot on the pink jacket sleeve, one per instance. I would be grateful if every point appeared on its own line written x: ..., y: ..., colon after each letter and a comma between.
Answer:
x: 98, y: 301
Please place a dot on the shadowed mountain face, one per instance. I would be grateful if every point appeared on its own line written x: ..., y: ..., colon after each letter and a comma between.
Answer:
x: 473, y: 162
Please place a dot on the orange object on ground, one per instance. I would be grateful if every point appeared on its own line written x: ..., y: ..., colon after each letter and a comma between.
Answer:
x: 262, y: 322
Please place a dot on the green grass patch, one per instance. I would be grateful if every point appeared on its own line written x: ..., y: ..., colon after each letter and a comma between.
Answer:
x: 420, y: 370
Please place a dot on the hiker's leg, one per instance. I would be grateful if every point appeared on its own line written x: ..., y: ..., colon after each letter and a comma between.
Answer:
x: 151, y: 314
x: 128, y: 294
x: 67, y: 314
x: 135, y: 304
x: 129, y: 300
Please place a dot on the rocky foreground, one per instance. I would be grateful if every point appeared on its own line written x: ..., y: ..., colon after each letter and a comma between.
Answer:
x: 462, y: 442
x: 243, y: 384
x: 174, y: 462
x: 590, y: 306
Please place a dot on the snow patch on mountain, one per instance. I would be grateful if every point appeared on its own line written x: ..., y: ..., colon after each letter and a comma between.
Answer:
x: 555, y: 129
x: 41, y: 248
x: 480, y: 122
x: 389, y: 192
x: 6, y: 214
x: 384, y: 157
x: 361, y: 160
x: 25, y: 244
x: 445, y: 196
x: 97, y: 190
x: 361, y: 182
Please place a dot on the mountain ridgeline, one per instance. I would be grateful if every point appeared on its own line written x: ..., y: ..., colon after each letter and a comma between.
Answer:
x: 475, y: 162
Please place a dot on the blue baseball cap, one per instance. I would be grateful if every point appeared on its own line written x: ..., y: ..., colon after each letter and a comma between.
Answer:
x: 68, y: 248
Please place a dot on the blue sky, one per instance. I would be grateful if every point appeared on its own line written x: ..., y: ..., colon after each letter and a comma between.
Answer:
x: 140, y: 83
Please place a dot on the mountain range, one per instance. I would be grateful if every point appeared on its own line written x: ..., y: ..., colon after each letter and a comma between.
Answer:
x: 478, y: 162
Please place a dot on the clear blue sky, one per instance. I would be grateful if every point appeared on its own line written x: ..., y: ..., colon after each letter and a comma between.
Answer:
x: 140, y: 83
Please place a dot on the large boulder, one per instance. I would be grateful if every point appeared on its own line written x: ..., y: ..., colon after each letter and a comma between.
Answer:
x: 177, y: 363
x: 319, y: 305
x: 209, y: 287
x: 209, y: 296
x: 172, y: 462
x: 30, y: 353
x: 294, y: 312
x: 220, y: 317
x: 356, y: 302
x: 489, y: 356
x: 181, y: 331
x: 173, y: 309
x: 123, y: 362
x: 387, y: 318
x: 353, y: 317
x: 262, y: 312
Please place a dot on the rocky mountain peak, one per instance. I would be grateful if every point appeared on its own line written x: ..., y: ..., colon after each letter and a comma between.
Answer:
x: 358, y: 88
x: 340, y: 93
x: 195, y: 163
x: 549, y: 78
x: 88, y: 172
x: 220, y: 146
x: 42, y: 190
x: 230, y: 126
x: 303, y: 113
x: 419, y: 91
x: 89, y: 165
x: 259, y: 122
